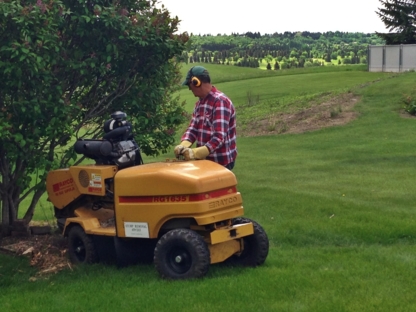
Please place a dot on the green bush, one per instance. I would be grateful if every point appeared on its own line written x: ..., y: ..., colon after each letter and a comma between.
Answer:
x: 409, y: 101
x: 66, y: 65
x: 346, y: 61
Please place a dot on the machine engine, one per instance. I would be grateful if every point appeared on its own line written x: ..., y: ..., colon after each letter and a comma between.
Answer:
x: 117, y: 147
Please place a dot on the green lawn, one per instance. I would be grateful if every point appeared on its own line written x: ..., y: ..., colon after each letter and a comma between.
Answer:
x: 338, y: 205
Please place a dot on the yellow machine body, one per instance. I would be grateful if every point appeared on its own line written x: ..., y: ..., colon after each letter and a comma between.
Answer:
x: 66, y: 185
x: 179, y: 215
x: 156, y: 193
x: 142, y: 201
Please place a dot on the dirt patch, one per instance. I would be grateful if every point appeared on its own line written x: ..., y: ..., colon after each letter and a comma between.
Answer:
x: 48, y: 253
x: 334, y: 112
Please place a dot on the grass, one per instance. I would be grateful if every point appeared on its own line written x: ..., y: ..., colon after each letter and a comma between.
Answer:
x: 370, y: 278
x: 338, y: 206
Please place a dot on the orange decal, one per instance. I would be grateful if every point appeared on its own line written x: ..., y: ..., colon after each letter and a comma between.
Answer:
x: 94, y: 190
x: 62, y: 185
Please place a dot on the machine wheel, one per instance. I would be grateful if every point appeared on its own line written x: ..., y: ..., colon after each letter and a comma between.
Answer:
x: 181, y: 254
x: 256, y: 246
x: 81, y: 247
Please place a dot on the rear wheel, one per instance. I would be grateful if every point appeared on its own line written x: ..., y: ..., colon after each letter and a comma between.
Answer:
x: 256, y: 246
x: 181, y: 254
x: 81, y: 247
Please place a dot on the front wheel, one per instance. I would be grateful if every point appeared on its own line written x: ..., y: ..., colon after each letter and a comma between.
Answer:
x: 81, y: 247
x: 256, y: 246
x: 181, y: 254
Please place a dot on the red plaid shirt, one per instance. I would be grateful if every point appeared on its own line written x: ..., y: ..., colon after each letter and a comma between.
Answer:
x: 213, y: 125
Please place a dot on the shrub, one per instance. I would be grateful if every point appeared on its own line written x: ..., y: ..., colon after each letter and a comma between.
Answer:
x: 346, y: 60
x: 67, y: 65
x: 409, y: 101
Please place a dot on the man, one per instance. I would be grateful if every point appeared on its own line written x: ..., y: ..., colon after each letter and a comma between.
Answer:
x: 213, y: 125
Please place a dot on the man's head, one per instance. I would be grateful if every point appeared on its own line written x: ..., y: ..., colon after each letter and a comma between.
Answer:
x: 198, y: 81
x: 196, y: 76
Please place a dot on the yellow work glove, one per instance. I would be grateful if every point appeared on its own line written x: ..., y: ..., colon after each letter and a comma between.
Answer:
x: 179, y: 148
x: 195, y: 153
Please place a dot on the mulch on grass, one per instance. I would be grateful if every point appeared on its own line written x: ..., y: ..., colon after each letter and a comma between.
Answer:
x: 48, y: 253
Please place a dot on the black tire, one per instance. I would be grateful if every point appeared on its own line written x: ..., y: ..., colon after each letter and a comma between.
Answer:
x: 81, y: 247
x: 256, y: 246
x: 182, y: 254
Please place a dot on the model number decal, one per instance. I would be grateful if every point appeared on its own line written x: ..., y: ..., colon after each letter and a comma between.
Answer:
x: 168, y: 199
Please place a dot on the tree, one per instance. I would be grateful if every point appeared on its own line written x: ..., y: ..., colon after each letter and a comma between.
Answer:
x: 398, y: 16
x: 276, y: 66
x: 66, y: 65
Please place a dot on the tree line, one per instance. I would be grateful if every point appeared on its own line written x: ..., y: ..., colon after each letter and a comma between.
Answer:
x: 281, y: 50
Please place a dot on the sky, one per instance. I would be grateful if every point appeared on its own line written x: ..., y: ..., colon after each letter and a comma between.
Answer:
x: 270, y: 16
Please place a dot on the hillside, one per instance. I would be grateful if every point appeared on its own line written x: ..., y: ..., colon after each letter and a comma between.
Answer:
x: 291, y: 100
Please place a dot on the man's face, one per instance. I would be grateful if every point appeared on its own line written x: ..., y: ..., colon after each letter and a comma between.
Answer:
x: 197, y: 91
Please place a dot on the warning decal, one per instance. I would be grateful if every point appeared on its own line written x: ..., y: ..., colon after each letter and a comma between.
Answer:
x: 136, y: 229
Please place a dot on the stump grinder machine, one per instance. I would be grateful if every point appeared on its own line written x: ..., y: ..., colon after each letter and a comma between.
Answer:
x: 180, y: 215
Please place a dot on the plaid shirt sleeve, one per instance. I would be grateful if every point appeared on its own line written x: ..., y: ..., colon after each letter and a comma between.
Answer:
x: 221, y: 114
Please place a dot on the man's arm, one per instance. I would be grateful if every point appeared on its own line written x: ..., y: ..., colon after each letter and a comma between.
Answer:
x: 220, y: 123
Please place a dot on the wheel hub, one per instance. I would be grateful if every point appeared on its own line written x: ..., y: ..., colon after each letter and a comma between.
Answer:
x: 179, y: 260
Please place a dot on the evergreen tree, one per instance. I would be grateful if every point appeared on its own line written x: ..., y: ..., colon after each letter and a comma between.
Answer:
x: 276, y: 66
x: 398, y: 16
x: 328, y: 57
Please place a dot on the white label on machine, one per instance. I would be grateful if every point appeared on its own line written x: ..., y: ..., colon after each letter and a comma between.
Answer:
x: 95, y: 180
x: 136, y: 229
x: 96, y: 177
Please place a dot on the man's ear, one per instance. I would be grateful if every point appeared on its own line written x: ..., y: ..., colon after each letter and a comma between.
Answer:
x: 196, y: 82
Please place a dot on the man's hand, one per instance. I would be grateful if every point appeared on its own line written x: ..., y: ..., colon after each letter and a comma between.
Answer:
x: 178, y: 150
x: 188, y: 153
x: 195, y: 153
